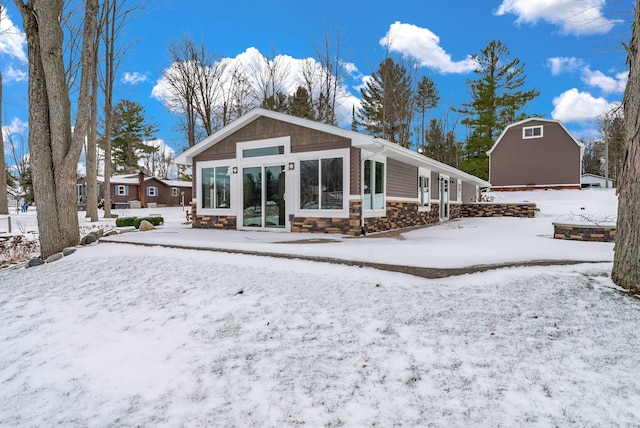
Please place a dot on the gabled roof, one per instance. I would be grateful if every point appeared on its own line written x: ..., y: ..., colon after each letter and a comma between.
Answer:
x: 534, y: 119
x: 358, y: 140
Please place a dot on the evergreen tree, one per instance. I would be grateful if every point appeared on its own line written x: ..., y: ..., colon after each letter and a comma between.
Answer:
x: 426, y: 98
x: 130, y: 130
x: 300, y: 104
x: 387, y: 97
x: 497, y: 100
x: 441, y: 145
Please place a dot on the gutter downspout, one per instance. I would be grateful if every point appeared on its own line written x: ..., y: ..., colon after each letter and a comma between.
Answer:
x: 363, y: 231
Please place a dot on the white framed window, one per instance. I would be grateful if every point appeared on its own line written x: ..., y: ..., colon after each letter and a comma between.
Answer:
x: 152, y: 191
x: 175, y: 191
x: 323, y: 184
x: 122, y: 190
x: 532, y: 132
x: 374, y: 185
x: 424, y: 178
x: 215, y: 187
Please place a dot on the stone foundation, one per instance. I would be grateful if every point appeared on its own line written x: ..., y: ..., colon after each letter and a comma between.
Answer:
x: 212, y: 221
x: 489, y: 209
x: 584, y: 232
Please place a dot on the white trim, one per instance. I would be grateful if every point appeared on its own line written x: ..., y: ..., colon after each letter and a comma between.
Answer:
x: 424, y: 172
x: 533, y: 134
x: 375, y: 212
x: 257, y: 144
x: 537, y: 119
x: 232, y: 210
x: 346, y: 171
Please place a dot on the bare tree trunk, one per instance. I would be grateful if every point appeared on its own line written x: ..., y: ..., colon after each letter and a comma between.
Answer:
x: 54, y: 152
x: 4, y: 204
x: 626, y: 261
x: 91, y: 156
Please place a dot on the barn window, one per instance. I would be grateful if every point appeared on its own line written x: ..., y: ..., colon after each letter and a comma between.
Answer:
x: 532, y: 132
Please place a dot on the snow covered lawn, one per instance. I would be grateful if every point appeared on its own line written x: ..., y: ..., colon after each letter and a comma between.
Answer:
x: 122, y: 335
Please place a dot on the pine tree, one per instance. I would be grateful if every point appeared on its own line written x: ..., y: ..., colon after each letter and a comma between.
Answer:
x: 300, y: 104
x: 426, y: 98
x: 497, y: 100
x: 130, y: 130
x: 386, y: 110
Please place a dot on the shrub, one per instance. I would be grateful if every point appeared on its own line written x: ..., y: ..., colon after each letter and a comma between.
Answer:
x: 156, y: 221
x: 125, y: 221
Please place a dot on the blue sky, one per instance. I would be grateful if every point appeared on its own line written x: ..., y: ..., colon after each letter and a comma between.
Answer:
x: 572, y: 49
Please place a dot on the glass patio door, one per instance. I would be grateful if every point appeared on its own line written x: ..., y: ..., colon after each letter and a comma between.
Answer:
x: 263, y: 204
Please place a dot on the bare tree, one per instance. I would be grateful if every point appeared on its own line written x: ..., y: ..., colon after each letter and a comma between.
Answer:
x: 4, y: 205
x: 268, y: 80
x: 114, y: 17
x: 626, y: 260
x: 332, y: 76
x: 54, y: 150
x: 195, y: 83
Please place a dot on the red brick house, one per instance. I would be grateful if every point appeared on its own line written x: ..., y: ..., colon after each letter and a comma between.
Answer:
x: 535, y: 153
x: 271, y: 171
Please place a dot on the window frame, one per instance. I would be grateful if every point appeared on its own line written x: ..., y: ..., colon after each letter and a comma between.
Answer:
x: 343, y: 212
x: 375, y: 212
x: 200, y: 166
x: 122, y: 190
x: 154, y: 193
x: 532, y: 128
x: 175, y: 191
x: 422, y: 204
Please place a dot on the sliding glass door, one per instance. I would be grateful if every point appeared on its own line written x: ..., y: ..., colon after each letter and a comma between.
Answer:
x: 263, y: 204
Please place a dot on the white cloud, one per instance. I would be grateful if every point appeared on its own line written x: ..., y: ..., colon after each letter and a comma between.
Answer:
x: 253, y: 65
x: 576, y: 17
x: 560, y: 65
x: 576, y: 106
x: 15, y: 127
x: 134, y: 78
x: 12, y: 40
x: 12, y: 74
x: 606, y: 83
x: 422, y: 44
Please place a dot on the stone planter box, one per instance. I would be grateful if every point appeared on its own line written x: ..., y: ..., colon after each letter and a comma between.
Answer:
x: 584, y: 232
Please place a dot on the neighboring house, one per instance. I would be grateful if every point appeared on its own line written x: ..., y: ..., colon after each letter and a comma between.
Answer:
x: 592, y: 180
x: 272, y: 171
x: 535, y: 154
x: 139, y: 189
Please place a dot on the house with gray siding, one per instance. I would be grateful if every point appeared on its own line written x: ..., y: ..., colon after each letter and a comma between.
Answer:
x: 535, y: 153
x: 272, y: 171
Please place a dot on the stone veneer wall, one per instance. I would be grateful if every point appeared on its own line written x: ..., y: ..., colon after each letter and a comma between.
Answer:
x: 584, y: 232
x: 212, y: 221
x: 489, y: 209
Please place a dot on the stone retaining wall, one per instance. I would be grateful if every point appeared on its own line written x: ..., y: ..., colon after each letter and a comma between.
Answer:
x: 584, y: 232
x: 490, y: 209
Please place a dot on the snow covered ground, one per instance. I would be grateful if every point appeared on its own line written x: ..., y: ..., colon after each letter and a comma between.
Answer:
x: 123, y: 335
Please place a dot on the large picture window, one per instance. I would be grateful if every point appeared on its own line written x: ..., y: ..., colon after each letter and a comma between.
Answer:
x: 321, y: 184
x: 373, y: 185
x: 216, y: 188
